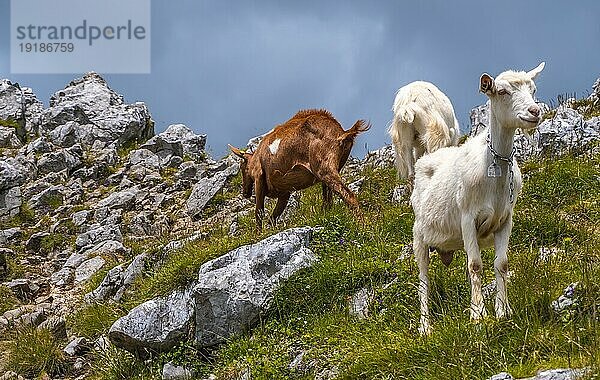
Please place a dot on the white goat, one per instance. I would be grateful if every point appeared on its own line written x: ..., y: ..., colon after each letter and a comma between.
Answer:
x: 424, y: 122
x: 464, y: 196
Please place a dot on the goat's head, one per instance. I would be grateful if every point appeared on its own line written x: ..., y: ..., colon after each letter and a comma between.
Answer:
x: 247, y: 179
x: 511, y: 97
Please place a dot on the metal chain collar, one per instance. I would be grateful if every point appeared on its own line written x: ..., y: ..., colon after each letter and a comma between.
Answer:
x: 508, y: 160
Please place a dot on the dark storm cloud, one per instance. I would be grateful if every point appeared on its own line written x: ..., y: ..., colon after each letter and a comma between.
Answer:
x: 233, y: 69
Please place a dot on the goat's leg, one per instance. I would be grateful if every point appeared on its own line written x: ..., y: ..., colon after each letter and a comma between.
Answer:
x: 422, y: 257
x: 279, y: 207
x: 501, y: 238
x: 474, y: 265
x: 333, y: 180
x: 327, y: 196
x: 259, y: 211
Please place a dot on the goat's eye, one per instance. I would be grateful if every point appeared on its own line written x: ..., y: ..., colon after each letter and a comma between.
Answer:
x: 502, y: 92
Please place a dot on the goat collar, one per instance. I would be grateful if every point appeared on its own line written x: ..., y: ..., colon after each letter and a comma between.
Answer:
x: 494, y: 169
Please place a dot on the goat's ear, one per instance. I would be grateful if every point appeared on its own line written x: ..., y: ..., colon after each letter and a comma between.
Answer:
x: 534, y: 73
x: 486, y: 84
x: 236, y: 151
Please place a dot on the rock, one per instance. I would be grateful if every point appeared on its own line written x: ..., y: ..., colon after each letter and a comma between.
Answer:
x: 97, y: 234
x: 56, y: 325
x: 80, y: 218
x: 63, y: 277
x: 164, y: 148
x: 356, y: 185
x: 4, y: 253
x: 88, y: 268
x: 99, y: 116
x: 380, y: 158
x: 552, y: 374
x: 23, y: 288
x: 117, y: 280
x: 11, y: 174
x: 158, y: 324
x: 400, y: 194
x: 77, y: 346
x: 193, y: 144
x: 567, y: 300
x: 172, y: 372
x: 10, y: 202
x: 359, y: 303
x: 8, y: 138
x: 567, y: 131
x: 34, y: 243
x: 145, y: 158
x: 480, y: 119
x: 65, y: 159
x: 124, y: 199
x: 10, y: 235
x: 234, y: 289
x: 206, y: 188
x: 19, y: 108
x: 33, y: 319
x: 502, y: 376
x: 48, y: 199
x: 10, y: 375
x: 230, y: 293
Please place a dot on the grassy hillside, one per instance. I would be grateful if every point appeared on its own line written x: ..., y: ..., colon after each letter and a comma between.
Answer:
x: 559, y: 210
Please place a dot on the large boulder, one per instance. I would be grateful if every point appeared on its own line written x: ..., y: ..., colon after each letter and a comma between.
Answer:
x: 227, y: 298
x: 89, y: 112
x: 234, y: 289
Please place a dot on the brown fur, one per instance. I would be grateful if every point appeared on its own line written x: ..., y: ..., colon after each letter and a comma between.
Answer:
x: 313, y: 148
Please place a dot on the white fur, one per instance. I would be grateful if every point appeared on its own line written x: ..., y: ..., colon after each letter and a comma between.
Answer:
x: 274, y: 146
x: 424, y: 122
x: 458, y: 207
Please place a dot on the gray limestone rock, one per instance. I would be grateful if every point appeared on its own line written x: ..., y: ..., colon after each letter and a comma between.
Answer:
x: 206, y: 188
x: 234, y: 289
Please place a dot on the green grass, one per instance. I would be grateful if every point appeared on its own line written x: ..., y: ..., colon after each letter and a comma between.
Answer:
x: 94, y: 319
x: 33, y: 352
x: 558, y: 208
x: 8, y: 300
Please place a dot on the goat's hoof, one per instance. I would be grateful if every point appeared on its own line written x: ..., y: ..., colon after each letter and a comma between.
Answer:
x: 425, y: 329
x: 478, y: 314
x: 503, y: 312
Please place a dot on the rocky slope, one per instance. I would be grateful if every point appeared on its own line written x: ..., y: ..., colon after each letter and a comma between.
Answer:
x: 85, y: 182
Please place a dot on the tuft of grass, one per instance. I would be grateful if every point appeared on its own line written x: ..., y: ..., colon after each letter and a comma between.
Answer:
x: 25, y: 218
x: 33, y: 352
x: 8, y: 300
x: 50, y: 243
x: 587, y: 107
x: 117, y: 364
x: 94, y: 319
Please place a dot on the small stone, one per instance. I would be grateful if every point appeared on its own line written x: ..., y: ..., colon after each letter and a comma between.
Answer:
x: 56, y: 325
x: 88, y: 268
x: 171, y: 371
x: 76, y: 347
x: 359, y: 304
x: 34, y: 243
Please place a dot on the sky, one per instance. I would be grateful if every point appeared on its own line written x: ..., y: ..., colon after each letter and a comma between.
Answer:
x: 234, y: 69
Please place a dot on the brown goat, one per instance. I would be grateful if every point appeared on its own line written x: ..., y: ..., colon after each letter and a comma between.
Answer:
x: 310, y: 147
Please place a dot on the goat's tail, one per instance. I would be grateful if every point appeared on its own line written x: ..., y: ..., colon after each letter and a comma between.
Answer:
x: 359, y: 127
x: 402, y: 133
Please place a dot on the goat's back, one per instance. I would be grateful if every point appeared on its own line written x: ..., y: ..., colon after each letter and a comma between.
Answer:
x: 310, y: 140
x: 424, y: 99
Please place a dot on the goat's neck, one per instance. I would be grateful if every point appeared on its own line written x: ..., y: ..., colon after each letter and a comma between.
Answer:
x: 502, y: 137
